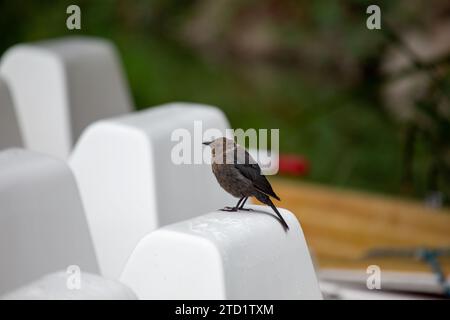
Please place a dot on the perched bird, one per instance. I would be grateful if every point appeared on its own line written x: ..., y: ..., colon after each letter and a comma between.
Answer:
x: 240, y: 175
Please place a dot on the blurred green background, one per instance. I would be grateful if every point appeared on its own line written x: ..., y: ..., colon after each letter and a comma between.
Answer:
x: 368, y: 108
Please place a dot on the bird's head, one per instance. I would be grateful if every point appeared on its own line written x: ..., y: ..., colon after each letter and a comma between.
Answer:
x: 221, y: 143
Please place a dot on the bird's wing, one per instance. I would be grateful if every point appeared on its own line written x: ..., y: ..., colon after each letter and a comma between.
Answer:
x: 252, y: 171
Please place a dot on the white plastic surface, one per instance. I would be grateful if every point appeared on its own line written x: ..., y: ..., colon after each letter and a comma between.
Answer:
x: 9, y: 127
x: 129, y: 184
x: 42, y: 224
x: 60, y: 86
x: 224, y: 255
x: 54, y: 287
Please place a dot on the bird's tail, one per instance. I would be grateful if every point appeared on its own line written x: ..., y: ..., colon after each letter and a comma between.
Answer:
x: 265, y: 199
x: 278, y: 214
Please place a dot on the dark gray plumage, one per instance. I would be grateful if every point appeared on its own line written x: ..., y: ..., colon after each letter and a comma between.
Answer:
x: 240, y: 175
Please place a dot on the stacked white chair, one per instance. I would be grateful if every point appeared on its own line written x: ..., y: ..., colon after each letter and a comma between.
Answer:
x: 129, y: 183
x: 55, y: 286
x: 43, y: 228
x: 61, y: 86
x: 222, y: 255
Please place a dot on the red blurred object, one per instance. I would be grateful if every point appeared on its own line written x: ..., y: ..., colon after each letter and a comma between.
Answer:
x: 292, y: 164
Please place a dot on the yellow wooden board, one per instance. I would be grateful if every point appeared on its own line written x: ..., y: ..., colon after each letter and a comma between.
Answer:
x: 341, y: 226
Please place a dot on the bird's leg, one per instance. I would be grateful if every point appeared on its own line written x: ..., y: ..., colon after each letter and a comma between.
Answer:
x: 243, y: 202
x: 242, y: 205
x: 238, y: 205
x: 235, y: 208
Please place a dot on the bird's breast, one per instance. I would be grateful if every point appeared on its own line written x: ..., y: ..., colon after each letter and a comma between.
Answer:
x: 231, y: 180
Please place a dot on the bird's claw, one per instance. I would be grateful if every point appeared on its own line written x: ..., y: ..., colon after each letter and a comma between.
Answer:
x: 229, y: 209
x: 234, y: 209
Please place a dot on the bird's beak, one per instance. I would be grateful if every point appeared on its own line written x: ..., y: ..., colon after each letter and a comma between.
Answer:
x: 207, y: 143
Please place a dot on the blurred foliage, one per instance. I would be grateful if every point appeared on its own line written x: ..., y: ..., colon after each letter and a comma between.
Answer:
x: 310, y: 68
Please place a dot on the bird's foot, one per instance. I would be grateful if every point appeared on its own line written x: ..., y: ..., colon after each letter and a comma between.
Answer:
x: 245, y: 209
x: 229, y: 209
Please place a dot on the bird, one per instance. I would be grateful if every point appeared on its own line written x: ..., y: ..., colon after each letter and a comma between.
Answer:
x: 240, y: 175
